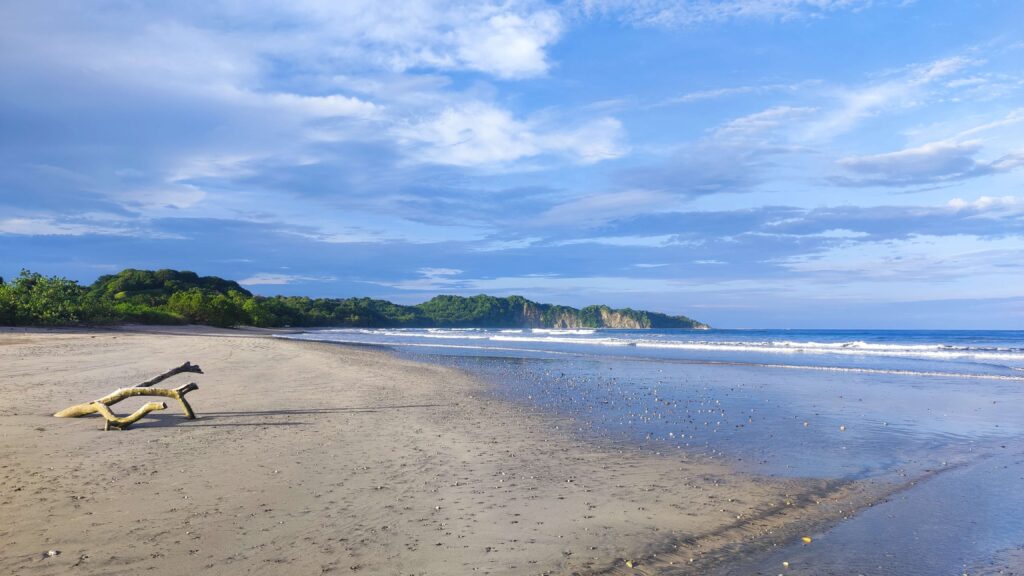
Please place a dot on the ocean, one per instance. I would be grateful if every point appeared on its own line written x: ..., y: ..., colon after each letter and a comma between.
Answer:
x: 836, y: 404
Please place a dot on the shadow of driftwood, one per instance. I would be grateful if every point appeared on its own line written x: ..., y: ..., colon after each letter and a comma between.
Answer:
x: 171, y: 420
x: 199, y: 424
x: 339, y: 410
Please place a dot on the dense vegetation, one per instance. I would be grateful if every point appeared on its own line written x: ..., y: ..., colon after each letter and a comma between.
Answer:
x: 173, y: 297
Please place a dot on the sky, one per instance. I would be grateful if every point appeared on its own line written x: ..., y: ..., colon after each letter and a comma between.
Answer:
x: 748, y: 163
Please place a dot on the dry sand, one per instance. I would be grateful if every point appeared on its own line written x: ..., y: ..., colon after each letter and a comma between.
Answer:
x: 310, y: 458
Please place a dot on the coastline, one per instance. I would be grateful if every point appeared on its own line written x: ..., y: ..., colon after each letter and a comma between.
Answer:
x: 320, y: 458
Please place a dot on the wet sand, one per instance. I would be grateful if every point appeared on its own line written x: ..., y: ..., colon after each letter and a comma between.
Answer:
x: 312, y: 458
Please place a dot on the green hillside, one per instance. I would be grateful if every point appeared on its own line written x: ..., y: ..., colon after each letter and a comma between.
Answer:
x: 176, y: 297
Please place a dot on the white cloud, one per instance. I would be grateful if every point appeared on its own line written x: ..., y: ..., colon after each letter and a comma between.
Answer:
x: 658, y: 241
x: 88, y: 225
x: 840, y: 109
x: 840, y: 233
x: 712, y: 94
x: 907, y: 89
x: 1013, y: 117
x: 50, y: 227
x: 934, y: 162
x: 172, y: 196
x: 271, y: 279
x: 538, y: 284
x: 480, y: 134
x: 330, y: 106
x: 597, y: 209
x: 942, y: 260
x: 504, y: 39
x: 970, y: 81
x: 278, y: 76
x: 922, y: 161
x: 687, y: 12
x: 500, y: 245
x: 430, y: 279
x: 476, y: 134
x: 594, y: 141
x: 1005, y: 204
x: 439, y: 272
x: 175, y: 41
x: 938, y: 69
x: 509, y: 45
x: 212, y: 166
x: 718, y: 93
x: 758, y: 123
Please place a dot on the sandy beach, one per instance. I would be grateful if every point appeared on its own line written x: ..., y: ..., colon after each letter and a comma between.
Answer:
x: 311, y: 458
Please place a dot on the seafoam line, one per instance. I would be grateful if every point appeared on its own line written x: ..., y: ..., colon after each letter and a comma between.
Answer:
x: 842, y: 369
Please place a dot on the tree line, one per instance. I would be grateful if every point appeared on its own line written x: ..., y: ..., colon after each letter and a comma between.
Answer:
x: 182, y: 297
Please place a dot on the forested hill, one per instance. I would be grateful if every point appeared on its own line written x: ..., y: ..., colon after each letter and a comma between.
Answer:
x: 175, y: 297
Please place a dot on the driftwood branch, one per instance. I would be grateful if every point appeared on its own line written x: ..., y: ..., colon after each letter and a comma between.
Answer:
x: 114, y: 421
x: 186, y: 367
x: 102, y: 405
x: 124, y: 393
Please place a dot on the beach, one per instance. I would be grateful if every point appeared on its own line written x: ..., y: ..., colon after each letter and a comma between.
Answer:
x: 512, y: 287
x: 311, y: 458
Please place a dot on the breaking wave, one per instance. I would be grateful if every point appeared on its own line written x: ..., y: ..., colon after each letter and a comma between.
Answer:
x: 665, y: 341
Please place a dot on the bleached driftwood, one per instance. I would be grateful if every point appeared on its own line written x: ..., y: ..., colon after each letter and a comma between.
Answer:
x: 186, y: 367
x: 123, y: 393
x: 102, y: 406
x: 114, y: 421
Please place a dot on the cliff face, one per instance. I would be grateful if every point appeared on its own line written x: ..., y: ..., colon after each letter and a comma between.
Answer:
x: 616, y: 319
x: 531, y: 316
x: 567, y: 320
x: 534, y: 315
x: 543, y: 316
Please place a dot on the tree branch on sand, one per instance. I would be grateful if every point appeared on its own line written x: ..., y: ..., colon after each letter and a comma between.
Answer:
x: 186, y: 367
x: 113, y: 421
x: 102, y: 406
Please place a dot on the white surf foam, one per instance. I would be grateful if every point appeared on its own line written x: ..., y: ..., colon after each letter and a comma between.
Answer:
x: 843, y: 369
x: 587, y: 337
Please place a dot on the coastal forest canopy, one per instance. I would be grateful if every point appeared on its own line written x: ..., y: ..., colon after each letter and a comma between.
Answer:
x: 181, y: 297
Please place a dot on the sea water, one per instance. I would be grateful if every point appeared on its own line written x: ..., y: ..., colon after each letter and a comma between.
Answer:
x: 803, y: 403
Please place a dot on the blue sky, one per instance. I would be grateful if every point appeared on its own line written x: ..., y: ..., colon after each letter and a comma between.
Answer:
x: 761, y: 163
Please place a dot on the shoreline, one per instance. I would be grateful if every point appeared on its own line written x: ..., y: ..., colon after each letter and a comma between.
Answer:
x: 827, y: 503
x: 431, y: 477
